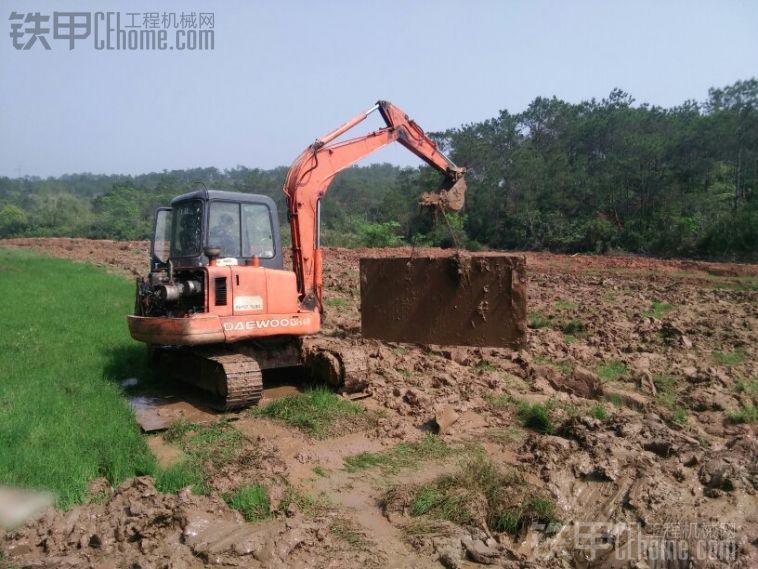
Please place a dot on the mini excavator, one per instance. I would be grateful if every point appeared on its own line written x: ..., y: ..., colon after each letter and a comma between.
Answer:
x: 218, y: 307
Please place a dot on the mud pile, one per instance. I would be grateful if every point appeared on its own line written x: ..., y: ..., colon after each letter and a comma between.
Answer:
x: 646, y: 370
x: 135, y: 526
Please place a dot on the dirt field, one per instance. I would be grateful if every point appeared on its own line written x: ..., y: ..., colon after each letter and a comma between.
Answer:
x: 646, y: 371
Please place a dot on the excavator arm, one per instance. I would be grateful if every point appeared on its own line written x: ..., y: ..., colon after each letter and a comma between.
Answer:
x: 311, y: 173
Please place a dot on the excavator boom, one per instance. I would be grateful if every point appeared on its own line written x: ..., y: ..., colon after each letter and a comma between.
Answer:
x: 311, y: 173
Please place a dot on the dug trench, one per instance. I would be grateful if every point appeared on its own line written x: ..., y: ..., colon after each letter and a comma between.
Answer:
x: 624, y: 430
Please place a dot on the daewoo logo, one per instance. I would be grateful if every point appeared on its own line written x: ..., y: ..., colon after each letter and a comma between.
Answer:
x: 270, y: 323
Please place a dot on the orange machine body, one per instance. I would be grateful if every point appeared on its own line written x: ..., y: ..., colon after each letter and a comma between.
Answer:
x: 240, y: 302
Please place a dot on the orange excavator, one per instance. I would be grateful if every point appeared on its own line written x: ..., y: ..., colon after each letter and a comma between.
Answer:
x: 218, y: 307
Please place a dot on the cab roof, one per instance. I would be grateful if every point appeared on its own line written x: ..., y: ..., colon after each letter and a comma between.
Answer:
x: 224, y: 196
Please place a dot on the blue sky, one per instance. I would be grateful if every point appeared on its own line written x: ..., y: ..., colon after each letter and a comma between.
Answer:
x: 283, y: 73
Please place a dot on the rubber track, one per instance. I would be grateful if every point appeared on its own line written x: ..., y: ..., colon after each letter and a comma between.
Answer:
x: 243, y: 381
x: 232, y: 380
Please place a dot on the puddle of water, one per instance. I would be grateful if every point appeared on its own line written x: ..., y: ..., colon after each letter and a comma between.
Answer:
x: 278, y: 391
x: 159, y: 412
x: 167, y: 455
x: 129, y: 382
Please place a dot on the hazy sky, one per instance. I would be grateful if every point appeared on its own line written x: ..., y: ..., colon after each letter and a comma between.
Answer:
x: 283, y: 73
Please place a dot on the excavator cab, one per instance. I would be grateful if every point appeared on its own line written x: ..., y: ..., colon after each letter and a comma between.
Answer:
x: 233, y: 228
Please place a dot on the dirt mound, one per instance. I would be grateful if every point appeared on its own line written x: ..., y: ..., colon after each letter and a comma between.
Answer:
x: 138, y: 527
x: 128, y: 257
x: 633, y: 406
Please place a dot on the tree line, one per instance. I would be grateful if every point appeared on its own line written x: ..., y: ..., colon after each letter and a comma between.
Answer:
x: 593, y: 176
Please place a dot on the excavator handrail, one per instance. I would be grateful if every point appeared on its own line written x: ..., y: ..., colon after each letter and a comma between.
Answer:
x: 311, y: 173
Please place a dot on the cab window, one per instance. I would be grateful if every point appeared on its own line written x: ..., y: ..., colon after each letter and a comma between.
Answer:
x: 257, y: 231
x: 224, y: 228
x: 187, y: 226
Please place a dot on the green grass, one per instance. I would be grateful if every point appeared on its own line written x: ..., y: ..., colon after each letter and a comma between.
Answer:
x: 565, y: 367
x: 667, y: 397
x: 335, y: 302
x: 749, y: 387
x: 64, y: 345
x: 403, y: 455
x: 503, y: 401
x: 318, y: 412
x: 747, y: 414
x: 208, y: 447
x: 347, y: 532
x: 506, y: 435
x: 536, y: 320
x: 480, y: 490
x: 598, y: 412
x: 485, y: 366
x: 573, y: 327
x: 251, y: 501
x: 307, y: 502
x: 611, y: 371
x: 181, y: 475
x: 566, y: 305
x: 535, y: 416
x: 664, y: 383
x: 658, y: 310
x: 729, y: 358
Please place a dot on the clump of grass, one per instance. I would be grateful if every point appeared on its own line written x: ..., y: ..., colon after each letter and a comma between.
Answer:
x: 251, y: 501
x: 506, y: 435
x: 63, y: 350
x: 566, y: 305
x: 480, y: 492
x: 347, y: 532
x: 214, y: 444
x: 667, y: 397
x: 403, y: 455
x: 335, y: 302
x: 565, y: 367
x: 598, y: 412
x: 535, y: 320
x: 569, y: 338
x: 611, y: 371
x: 573, y: 327
x: 535, y: 416
x: 658, y: 310
x: 318, y: 412
x: 306, y: 502
x: 749, y: 387
x: 533, y: 509
x: 729, y: 358
x: 320, y: 471
x: 485, y: 366
x: 207, y: 447
x: 679, y: 415
x: 181, y: 475
x: 664, y: 383
x: 503, y: 401
x: 747, y: 414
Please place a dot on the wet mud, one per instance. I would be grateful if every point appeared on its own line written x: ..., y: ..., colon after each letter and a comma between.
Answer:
x: 647, y: 368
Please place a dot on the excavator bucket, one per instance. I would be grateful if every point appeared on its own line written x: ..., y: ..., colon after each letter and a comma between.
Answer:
x: 463, y: 299
x: 450, y: 197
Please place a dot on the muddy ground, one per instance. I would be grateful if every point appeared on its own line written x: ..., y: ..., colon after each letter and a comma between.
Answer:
x: 648, y: 374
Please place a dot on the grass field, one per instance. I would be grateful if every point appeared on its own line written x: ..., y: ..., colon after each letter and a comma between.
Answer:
x: 64, y: 346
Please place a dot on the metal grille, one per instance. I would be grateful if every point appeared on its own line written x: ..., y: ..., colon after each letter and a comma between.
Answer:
x: 221, y: 291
